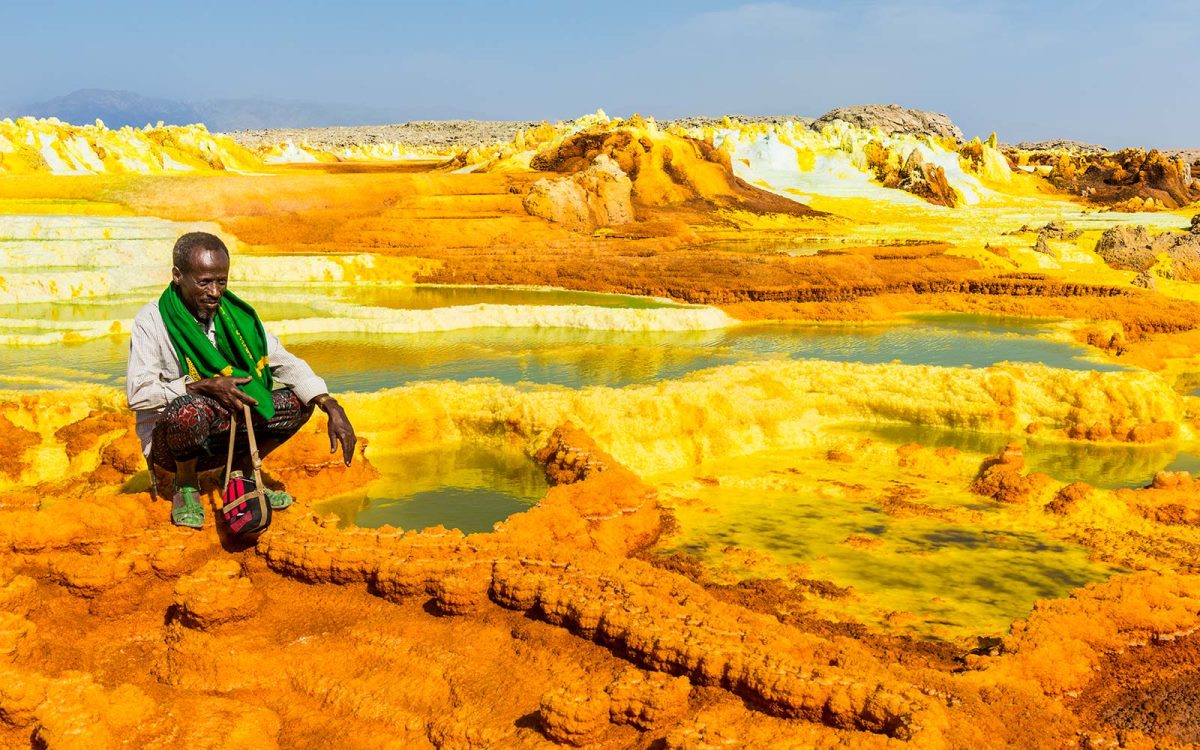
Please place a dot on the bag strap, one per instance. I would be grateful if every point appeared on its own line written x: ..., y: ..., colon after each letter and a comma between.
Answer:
x: 229, y: 458
x: 254, y: 459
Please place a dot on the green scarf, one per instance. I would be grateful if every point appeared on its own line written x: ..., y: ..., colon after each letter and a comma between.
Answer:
x: 241, y: 349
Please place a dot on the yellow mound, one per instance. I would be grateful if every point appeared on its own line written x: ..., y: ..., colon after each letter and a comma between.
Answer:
x: 30, y: 146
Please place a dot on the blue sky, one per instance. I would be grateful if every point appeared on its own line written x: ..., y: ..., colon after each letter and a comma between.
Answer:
x: 1117, y: 73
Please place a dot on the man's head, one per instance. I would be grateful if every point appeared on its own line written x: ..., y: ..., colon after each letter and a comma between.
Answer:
x: 201, y: 271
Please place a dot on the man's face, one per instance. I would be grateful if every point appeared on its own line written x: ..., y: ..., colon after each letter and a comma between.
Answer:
x: 202, y: 285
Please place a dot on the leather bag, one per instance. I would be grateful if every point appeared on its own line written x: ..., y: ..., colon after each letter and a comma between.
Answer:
x: 245, y: 508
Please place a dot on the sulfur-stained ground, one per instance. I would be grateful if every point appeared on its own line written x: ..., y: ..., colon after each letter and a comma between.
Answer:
x: 586, y: 621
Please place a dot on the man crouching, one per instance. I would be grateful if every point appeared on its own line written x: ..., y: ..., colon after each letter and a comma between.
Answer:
x: 199, y: 353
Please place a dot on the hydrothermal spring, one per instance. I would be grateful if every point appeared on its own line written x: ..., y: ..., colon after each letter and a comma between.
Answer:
x: 914, y: 467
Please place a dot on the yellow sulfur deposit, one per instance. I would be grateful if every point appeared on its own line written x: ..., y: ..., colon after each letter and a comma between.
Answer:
x: 30, y: 146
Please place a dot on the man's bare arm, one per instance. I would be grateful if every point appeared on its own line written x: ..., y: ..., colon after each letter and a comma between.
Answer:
x: 340, y: 429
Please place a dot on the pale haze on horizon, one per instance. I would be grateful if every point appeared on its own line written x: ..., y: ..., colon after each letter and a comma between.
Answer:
x: 1108, y: 72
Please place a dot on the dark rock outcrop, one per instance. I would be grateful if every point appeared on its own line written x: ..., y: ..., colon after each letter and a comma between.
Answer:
x: 912, y: 174
x: 1132, y: 248
x: 926, y: 180
x: 892, y: 119
x: 1060, y: 144
x: 1129, y: 180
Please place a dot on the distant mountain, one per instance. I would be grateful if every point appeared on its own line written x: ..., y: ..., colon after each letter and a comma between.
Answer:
x: 120, y: 108
x: 226, y: 115
x: 116, y: 108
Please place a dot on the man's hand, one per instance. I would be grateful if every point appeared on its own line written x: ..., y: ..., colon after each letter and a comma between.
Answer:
x: 340, y: 430
x: 225, y: 390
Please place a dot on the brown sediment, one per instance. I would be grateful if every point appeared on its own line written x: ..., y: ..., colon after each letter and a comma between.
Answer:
x: 1149, y: 693
x: 1069, y: 498
x: 17, y: 440
x: 1132, y: 179
x: 1001, y: 478
x: 1168, y: 499
x: 912, y: 174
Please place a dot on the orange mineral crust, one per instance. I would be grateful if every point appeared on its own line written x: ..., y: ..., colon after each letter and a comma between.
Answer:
x: 386, y: 635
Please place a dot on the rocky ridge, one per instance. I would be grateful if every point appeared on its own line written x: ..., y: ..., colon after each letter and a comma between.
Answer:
x: 454, y: 134
x: 892, y: 118
x: 1057, y: 144
x: 1133, y: 248
x: 449, y: 134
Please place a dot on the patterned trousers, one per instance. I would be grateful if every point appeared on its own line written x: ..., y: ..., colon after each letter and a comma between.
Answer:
x: 197, y: 427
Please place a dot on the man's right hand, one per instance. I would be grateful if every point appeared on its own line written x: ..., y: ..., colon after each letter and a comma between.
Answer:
x: 224, y: 389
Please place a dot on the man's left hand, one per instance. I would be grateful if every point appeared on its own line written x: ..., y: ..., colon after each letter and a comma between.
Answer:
x: 340, y: 430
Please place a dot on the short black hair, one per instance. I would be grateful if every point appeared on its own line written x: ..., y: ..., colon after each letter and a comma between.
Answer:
x: 181, y: 256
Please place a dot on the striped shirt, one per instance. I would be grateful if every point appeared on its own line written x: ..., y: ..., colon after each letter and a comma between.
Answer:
x: 155, y: 376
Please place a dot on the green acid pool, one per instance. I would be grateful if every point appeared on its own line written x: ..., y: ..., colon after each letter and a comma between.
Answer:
x: 1108, y: 466
x: 573, y: 357
x: 469, y: 487
x: 956, y: 569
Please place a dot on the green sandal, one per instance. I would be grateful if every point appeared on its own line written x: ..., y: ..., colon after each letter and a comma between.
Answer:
x: 186, y: 509
x: 278, y: 499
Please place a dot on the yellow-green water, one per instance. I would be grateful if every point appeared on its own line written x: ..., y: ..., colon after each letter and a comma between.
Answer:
x: 1109, y: 466
x: 573, y: 357
x: 469, y: 487
x: 941, y: 555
